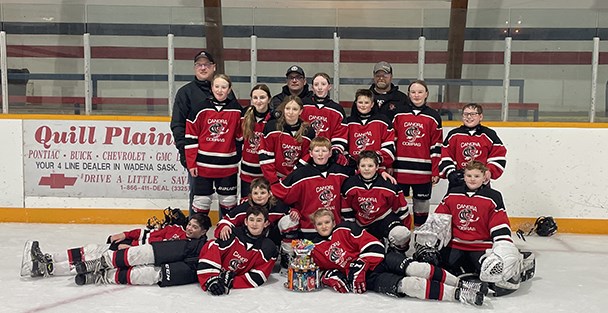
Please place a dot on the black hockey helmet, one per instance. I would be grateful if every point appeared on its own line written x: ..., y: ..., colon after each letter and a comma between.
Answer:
x: 545, y: 226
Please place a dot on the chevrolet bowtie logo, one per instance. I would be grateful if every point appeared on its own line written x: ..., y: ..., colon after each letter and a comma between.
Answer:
x: 56, y: 181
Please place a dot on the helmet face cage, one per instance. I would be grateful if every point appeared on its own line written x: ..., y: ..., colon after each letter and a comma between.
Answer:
x: 545, y: 226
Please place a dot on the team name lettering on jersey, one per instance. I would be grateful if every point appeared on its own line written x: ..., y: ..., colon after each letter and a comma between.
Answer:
x: 235, y: 263
x: 291, y: 154
x: 466, y: 216
x: 318, y: 123
x: 217, y: 128
x: 336, y: 254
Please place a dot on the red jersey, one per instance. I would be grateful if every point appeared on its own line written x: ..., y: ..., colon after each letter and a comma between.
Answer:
x: 280, y: 151
x: 347, y: 243
x: 464, y: 144
x: 212, y: 132
x: 375, y: 133
x: 478, y: 218
x: 250, y: 258
x: 368, y: 202
x: 250, y: 162
x: 418, y: 137
x: 236, y: 217
x: 144, y: 236
x: 325, y: 116
x: 312, y: 187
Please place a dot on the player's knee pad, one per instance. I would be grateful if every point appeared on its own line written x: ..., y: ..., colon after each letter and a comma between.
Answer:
x: 412, y: 286
x: 399, y: 237
x: 287, y: 225
x: 227, y: 202
x: 421, y: 206
x: 201, y: 204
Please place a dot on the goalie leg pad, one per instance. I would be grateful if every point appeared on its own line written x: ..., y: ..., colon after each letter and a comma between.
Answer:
x: 435, y: 232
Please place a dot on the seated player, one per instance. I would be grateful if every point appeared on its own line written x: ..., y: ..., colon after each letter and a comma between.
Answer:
x: 259, y: 195
x: 38, y: 264
x: 166, y: 263
x: 376, y: 204
x: 352, y: 260
x: 471, y: 229
x: 244, y: 260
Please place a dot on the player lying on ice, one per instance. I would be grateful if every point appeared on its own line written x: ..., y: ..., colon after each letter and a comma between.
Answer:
x: 35, y: 263
x: 352, y: 260
x: 469, y: 232
x: 244, y: 260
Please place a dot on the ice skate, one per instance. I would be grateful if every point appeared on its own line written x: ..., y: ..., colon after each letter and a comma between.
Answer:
x: 470, y: 296
x: 480, y: 287
x: 33, y: 261
x: 97, y: 278
x: 528, y: 267
x: 91, y: 266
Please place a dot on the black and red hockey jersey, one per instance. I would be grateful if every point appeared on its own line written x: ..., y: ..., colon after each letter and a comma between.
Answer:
x: 236, y: 217
x: 138, y: 237
x: 250, y: 258
x: 478, y: 218
x: 250, y: 160
x: 347, y: 243
x: 464, y: 144
x: 375, y: 133
x: 280, y: 151
x: 368, y: 202
x: 211, y: 138
x: 325, y: 116
x: 308, y: 189
x: 418, y: 138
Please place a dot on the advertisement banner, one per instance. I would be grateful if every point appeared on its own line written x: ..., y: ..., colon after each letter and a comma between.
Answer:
x: 90, y: 159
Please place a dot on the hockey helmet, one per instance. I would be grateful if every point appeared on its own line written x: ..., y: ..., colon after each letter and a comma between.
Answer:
x: 545, y: 226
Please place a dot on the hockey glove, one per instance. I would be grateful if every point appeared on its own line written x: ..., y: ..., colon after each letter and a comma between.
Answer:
x: 427, y: 254
x: 356, y: 276
x: 335, y: 279
x: 227, y: 278
x: 456, y: 178
x: 215, y: 286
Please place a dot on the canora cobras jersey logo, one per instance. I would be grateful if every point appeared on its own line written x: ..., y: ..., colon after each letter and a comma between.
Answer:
x: 367, y: 209
x: 363, y: 142
x: 218, y: 129
x: 318, y: 126
x: 254, y: 141
x: 336, y: 254
x: 470, y: 152
x: 236, y: 262
x: 326, y: 197
x: 291, y: 156
x: 412, y: 132
x: 467, y: 216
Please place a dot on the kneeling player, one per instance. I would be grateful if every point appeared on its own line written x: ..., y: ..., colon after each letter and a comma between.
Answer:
x: 376, y: 204
x: 353, y: 260
x: 166, y: 263
x: 470, y: 220
x: 244, y: 260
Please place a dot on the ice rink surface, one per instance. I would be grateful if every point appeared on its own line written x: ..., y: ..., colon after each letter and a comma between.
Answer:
x: 571, y: 276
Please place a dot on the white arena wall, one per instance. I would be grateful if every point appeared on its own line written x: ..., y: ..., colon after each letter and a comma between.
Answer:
x: 122, y: 174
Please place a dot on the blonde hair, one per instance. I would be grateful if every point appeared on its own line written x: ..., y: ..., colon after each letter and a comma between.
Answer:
x: 320, y: 213
x: 248, y: 123
x: 281, y: 120
x: 224, y: 77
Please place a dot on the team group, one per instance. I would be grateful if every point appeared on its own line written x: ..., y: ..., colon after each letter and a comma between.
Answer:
x: 307, y: 171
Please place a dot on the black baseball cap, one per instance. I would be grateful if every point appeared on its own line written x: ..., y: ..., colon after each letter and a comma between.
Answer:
x: 295, y: 69
x: 204, y: 54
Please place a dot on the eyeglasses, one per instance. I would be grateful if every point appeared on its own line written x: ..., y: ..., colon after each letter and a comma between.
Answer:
x: 203, y: 65
x: 467, y: 114
x: 295, y: 77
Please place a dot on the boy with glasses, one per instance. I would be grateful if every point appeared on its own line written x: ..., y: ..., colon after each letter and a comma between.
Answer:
x: 471, y: 141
